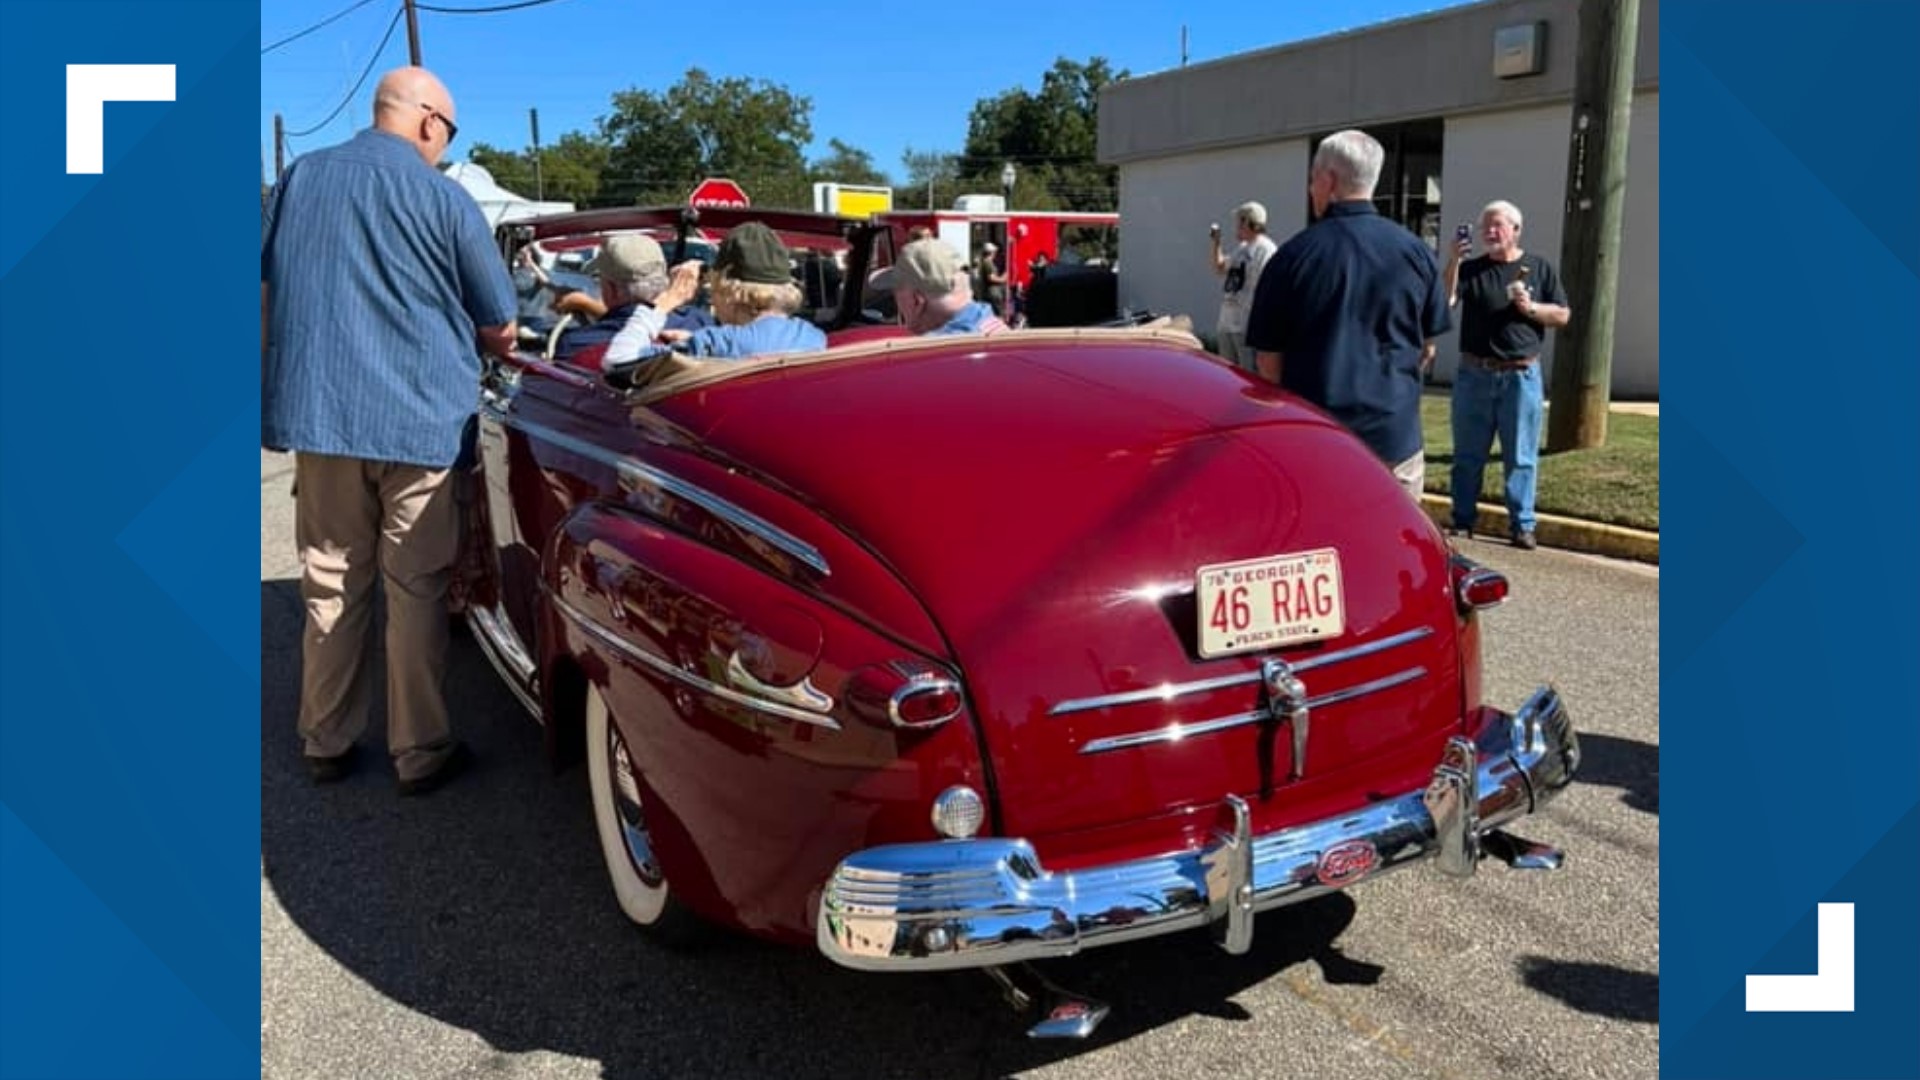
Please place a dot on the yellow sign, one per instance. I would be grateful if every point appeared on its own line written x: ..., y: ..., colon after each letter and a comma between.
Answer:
x: 852, y: 200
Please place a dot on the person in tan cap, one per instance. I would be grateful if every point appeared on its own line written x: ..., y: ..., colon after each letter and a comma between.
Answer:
x: 633, y: 275
x: 931, y: 293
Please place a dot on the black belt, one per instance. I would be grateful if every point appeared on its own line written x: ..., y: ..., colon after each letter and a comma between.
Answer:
x: 1494, y: 363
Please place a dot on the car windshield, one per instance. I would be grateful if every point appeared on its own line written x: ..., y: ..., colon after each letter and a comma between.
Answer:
x: 816, y: 263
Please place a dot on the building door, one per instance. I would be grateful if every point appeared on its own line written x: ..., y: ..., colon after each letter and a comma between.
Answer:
x: 1409, y: 188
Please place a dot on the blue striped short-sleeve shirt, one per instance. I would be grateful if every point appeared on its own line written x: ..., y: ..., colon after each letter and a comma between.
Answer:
x: 378, y: 270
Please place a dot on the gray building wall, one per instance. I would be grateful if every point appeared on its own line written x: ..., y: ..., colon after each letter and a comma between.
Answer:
x: 1520, y: 156
x: 1193, y: 143
x: 1167, y: 203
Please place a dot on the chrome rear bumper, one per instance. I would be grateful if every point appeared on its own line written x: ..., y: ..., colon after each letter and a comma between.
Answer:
x: 974, y: 903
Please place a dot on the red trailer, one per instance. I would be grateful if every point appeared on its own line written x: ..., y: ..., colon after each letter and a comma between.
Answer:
x: 1020, y: 235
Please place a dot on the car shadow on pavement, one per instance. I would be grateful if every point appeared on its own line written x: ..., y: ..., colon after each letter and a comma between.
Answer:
x: 1599, y: 989
x: 485, y: 907
x: 1628, y: 764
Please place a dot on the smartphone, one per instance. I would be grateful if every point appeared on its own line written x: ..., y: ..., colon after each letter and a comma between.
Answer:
x: 1463, y: 234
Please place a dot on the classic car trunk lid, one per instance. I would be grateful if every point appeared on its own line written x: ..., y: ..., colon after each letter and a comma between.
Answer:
x: 1052, y: 507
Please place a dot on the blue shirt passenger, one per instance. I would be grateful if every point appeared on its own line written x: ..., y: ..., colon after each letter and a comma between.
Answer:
x: 975, y: 318
x: 381, y: 269
x: 777, y: 334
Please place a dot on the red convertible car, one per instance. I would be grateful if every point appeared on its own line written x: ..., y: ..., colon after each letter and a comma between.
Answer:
x: 967, y: 652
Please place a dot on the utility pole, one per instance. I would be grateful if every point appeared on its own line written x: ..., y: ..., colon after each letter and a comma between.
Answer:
x: 1596, y: 203
x: 539, y: 180
x: 1183, y: 44
x: 279, y: 148
x: 413, y: 34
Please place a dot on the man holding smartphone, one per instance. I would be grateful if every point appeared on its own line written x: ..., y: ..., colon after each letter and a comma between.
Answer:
x: 1508, y: 299
x: 1242, y: 270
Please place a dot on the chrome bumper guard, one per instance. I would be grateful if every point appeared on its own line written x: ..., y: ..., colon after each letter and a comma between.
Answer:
x: 975, y: 903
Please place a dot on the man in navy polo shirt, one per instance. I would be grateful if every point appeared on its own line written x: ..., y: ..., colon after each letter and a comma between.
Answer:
x: 1347, y: 311
x: 377, y: 279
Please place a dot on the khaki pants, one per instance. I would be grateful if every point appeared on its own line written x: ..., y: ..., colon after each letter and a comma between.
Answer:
x: 1412, y: 474
x: 1233, y: 349
x: 352, y: 516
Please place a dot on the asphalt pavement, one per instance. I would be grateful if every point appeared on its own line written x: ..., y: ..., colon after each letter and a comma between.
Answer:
x: 471, y: 933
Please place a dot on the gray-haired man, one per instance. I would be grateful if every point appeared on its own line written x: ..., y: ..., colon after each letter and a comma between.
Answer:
x: 1346, y: 313
x: 931, y: 293
x: 1241, y: 269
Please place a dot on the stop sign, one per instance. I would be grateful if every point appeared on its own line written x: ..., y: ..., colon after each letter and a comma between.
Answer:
x: 718, y: 192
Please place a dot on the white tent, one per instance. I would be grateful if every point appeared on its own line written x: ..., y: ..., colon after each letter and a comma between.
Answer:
x: 496, y: 202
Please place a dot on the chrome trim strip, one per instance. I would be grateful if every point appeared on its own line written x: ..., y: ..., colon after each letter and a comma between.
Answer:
x: 498, y: 629
x: 1169, y: 691
x: 1177, y: 732
x: 1333, y: 697
x: 955, y: 904
x: 633, y: 473
x: 801, y: 695
x: 496, y: 656
x: 687, y: 678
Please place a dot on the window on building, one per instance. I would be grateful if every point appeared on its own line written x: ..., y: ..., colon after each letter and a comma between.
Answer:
x: 1409, y: 188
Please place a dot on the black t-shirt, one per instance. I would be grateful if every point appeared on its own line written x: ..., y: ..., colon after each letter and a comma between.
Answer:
x: 1489, y: 323
x: 1349, y: 304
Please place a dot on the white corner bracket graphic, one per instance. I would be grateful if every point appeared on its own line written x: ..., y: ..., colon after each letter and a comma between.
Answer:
x: 1830, y: 989
x: 89, y: 88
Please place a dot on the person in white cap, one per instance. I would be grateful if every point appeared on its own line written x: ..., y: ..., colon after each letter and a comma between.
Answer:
x: 1241, y: 269
x: 931, y: 293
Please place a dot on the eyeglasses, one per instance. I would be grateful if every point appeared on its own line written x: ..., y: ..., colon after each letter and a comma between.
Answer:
x: 453, y: 129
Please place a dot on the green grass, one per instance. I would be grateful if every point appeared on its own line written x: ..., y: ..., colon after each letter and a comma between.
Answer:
x: 1618, y: 483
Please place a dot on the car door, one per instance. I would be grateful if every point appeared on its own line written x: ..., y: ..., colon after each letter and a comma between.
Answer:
x: 533, y: 434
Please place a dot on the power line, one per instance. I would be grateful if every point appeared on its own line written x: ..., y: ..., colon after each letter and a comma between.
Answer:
x: 372, y: 60
x: 316, y: 26
x: 482, y: 10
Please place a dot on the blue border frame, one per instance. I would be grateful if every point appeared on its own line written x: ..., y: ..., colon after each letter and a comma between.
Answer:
x: 129, y: 628
x: 1791, y: 745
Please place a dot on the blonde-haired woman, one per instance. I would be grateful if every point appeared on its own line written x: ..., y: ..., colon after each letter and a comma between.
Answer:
x: 754, y: 298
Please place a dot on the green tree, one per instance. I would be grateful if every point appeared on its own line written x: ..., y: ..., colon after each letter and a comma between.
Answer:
x: 749, y: 130
x: 570, y: 169
x: 1051, y: 137
x: 845, y: 164
x: 933, y: 179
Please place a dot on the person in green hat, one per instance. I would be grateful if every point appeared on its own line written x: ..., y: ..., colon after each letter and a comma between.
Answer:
x: 754, y: 298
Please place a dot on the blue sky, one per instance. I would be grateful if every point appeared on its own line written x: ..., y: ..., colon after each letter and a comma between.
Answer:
x: 881, y: 76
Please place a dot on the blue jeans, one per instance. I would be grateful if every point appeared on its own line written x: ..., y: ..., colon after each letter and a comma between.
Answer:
x: 1511, y: 405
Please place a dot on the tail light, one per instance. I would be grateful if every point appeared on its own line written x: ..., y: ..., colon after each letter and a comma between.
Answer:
x: 906, y: 695
x: 1475, y: 587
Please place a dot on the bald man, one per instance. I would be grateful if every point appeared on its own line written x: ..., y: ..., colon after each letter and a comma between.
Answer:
x: 379, y: 286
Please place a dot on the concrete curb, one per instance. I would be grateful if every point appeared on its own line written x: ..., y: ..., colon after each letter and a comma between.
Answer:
x: 1571, y: 534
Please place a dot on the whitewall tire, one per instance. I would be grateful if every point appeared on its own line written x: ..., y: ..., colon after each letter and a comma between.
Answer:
x: 639, y: 884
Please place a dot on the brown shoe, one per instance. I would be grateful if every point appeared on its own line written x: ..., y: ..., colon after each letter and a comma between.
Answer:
x: 457, y: 762
x: 332, y: 770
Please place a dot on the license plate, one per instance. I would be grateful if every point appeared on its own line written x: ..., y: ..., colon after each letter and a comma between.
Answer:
x: 1270, y: 602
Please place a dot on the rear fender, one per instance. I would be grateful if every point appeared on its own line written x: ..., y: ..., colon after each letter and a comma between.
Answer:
x: 730, y: 687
